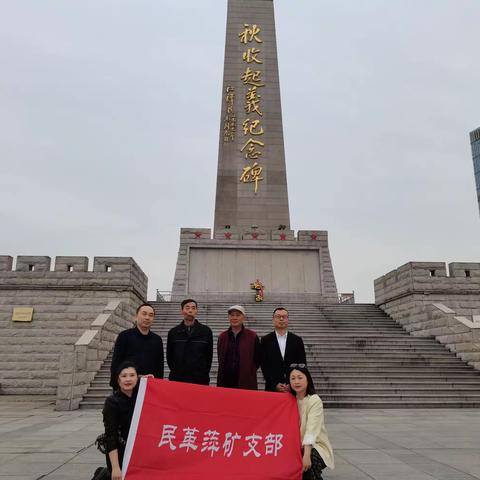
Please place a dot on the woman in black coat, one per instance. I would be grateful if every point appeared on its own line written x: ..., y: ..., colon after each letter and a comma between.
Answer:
x: 117, y: 416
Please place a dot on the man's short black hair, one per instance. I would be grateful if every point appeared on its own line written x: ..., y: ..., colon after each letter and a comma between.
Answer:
x: 189, y: 300
x: 279, y: 308
x: 146, y: 304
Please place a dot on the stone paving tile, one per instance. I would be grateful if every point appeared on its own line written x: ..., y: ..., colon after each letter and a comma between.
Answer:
x: 347, y: 441
x: 18, y: 477
x: 345, y: 472
x: 360, y: 457
x: 18, y: 467
x: 443, y: 472
x: 463, y: 460
x: 371, y: 440
x: 369, y: 444
x: 75, y: 471
x: 392, y: 471
x: 90, y: 455
x: 6, y: 457
x: 57, y: 458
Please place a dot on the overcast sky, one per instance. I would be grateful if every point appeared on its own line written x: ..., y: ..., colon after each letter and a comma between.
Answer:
x: 110, y: 111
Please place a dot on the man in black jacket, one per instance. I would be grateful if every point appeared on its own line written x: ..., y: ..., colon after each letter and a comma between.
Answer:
x: 279, y: 350
x: 140, y: 346
x: 190, y: 348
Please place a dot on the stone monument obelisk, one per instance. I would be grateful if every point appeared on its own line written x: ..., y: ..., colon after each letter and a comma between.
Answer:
x: 252, y: 239
x: 251, y: 180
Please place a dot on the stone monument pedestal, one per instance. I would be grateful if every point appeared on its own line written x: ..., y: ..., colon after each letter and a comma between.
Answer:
x: 252, y: 240
x: 292, y: 269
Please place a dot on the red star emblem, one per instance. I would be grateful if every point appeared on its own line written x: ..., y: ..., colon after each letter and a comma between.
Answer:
x: 283, y: 236
x: 313, y: 236
x: 228, y: 235
x: 198, y: 234
x: 254, y: 236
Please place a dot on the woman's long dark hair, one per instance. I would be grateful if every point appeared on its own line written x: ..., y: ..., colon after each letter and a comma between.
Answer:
x: 303, y: 369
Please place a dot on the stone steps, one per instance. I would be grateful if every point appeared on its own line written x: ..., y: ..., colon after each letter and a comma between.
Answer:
x: 327, y: 363
x: 97, y: 403
x: 406, y: 380
x: 358, y: 356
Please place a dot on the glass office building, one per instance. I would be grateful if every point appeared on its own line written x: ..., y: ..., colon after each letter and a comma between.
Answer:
x: 475, y: 142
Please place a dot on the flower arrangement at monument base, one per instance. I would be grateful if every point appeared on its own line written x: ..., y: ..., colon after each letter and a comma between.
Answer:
x: 259, y: 288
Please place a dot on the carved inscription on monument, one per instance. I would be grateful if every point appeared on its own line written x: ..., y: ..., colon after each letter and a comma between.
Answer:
x: 253, y: 130
x: 230, y: 121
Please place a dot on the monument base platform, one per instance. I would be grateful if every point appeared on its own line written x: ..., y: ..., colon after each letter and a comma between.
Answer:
x: 222, y: 268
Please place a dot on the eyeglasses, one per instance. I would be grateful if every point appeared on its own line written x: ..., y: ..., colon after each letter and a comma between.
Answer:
x: 280, y: 317
x: 299, y: 365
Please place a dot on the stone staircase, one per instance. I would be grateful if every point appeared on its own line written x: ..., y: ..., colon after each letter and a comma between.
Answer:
x: 359, y: 357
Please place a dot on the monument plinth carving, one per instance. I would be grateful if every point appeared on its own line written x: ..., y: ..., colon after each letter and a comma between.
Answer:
x: 252, y: 237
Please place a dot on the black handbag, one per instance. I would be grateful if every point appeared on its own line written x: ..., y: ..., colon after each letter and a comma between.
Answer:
x: 101, y: 443
x: 101, y: 473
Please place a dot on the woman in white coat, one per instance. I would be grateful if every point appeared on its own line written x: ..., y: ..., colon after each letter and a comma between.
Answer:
x: 317, y: 451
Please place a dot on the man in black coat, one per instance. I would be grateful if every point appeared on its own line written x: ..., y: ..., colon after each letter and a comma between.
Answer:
x: 190, y: 348
x: 279, y: 350
x: 140, y: 346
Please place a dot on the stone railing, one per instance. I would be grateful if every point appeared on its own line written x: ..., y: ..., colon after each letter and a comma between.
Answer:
x: 346, y: 298
x: 81, y: 362
x: 458, y: 333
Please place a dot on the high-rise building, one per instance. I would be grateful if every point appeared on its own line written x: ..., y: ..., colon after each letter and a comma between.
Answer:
x: 475, y: 142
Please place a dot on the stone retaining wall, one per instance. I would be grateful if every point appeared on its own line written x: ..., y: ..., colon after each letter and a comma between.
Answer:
x: 412, y: 293
x: 65, y: 302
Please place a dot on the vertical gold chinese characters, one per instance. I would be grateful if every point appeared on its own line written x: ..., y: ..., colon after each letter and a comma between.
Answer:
x: 253, y: 130
x: 230, y: 122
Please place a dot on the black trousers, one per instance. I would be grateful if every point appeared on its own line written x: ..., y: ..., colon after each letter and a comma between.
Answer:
x: 315, y: 472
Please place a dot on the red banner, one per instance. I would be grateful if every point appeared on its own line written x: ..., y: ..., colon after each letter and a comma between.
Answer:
x: 182, y: 431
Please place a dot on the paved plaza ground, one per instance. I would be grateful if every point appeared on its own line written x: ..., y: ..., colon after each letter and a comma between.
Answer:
x: 36, y: 442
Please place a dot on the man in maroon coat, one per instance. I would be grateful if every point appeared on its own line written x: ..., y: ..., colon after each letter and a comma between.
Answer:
x: 238, y: 351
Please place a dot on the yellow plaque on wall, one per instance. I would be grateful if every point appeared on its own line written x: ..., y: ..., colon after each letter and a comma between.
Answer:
x: 22, y: 314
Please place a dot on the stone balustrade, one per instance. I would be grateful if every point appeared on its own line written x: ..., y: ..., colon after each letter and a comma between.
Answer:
x: 80, y: 363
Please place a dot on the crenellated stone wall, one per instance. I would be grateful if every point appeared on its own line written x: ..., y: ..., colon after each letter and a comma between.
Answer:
x: 65, y: 301
x: 71, y: 273
x: 428, y: 299
x: 404, y: 292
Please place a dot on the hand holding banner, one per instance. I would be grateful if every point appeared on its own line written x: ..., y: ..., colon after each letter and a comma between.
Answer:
x: 183, y: 431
